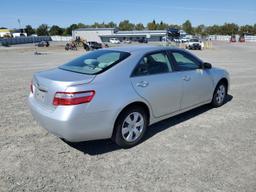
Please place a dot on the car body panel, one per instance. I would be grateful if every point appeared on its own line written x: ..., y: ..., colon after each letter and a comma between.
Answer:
x: 163, y: 92
x: 197, y: 87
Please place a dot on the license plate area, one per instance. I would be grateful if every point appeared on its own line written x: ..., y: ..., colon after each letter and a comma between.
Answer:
x: 40, y: 95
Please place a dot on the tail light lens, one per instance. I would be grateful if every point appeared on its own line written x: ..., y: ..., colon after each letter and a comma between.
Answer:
x: 31, y: 87
x: 73, y: 98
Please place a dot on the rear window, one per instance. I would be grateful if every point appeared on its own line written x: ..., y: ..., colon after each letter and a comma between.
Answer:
x: 95, y: 62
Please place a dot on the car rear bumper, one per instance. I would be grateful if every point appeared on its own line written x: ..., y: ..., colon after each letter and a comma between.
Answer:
x: 73, y: 123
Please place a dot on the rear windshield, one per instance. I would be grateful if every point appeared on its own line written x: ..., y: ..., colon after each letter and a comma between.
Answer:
x: 95, y: 62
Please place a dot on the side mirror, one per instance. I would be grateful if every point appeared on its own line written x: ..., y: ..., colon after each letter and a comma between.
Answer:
x: 206, y: 66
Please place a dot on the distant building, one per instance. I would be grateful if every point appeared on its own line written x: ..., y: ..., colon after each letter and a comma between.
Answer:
x: 104, y: 34
x: 5, y: 33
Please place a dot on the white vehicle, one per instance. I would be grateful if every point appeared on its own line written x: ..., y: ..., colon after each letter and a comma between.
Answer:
x: 194, y: 44
x: 19, y: 34
x: 127, y: 41
x: 114, y: 40
x: 185, y: 39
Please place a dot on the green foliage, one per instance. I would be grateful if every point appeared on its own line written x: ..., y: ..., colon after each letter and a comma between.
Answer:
x: 29, y: 30
x: 152, y: 25
x: 68, y: 30
x: 250, y: 29
x: 187, y: 27
x: 139, y: 26
x: 111, y: 25
x: 162, y: 26
x: 56, y: 30
x: 42, y: 30
x: 126, y: 25
x: 229, y: 29
x: 5, y: 44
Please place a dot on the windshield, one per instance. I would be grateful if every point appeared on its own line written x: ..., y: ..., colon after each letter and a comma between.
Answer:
x: 194, y: 40
x: 95, y: 62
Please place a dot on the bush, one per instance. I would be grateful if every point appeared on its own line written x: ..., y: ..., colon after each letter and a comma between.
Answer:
x: 5, y: 44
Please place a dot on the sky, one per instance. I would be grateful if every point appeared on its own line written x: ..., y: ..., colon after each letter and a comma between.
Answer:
x: 66, y: 12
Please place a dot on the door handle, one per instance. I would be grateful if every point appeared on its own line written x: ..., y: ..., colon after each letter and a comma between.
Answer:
x: 142, y: 84
x: 186, y: 78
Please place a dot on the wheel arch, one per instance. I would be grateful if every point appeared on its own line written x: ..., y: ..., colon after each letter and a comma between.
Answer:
x: 223, y: 80
x: 133, y: 104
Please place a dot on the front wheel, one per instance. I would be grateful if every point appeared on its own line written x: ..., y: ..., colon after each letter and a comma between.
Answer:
x: 219, y: 95
x: 130, y: 127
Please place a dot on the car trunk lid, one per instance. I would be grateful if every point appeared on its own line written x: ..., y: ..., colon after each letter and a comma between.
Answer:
x: 47, y: 83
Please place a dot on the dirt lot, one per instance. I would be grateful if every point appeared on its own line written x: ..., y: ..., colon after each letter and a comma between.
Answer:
x: 202, y: 150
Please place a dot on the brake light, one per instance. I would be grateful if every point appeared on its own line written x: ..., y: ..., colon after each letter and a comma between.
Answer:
x: 31, y: 87
x: 73, y: 98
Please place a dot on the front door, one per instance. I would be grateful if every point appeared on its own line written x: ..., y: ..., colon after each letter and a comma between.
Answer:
x: 197, y: 82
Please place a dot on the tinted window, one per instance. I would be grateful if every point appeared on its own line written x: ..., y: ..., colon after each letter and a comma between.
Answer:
x: 194, y: 40
x: 95, y: 62
x: 185, y: 62
x: 153, y: 64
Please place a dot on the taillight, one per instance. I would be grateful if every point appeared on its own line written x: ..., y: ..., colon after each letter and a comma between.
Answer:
x: 73, y: 98
x: 31, y: 87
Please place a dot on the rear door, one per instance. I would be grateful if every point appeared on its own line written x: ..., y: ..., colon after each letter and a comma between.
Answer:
x: 197, y: 82
x: 154, y: 81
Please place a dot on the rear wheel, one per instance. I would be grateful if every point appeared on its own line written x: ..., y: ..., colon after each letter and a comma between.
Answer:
x: 219, y: 95
x: 130, y: 127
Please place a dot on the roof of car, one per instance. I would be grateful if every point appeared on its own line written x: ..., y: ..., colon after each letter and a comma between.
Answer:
x: 141, y: 48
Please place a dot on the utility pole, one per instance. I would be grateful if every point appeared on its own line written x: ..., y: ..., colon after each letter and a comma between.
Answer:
x: 19, y: 23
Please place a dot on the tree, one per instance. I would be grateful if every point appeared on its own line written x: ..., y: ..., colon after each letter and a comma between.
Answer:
x: 42, y: 30
x: 29, y: 30
x: 81, y: 25
x: 111, y: 25
x: 139, y: 26
x: 213, y: 30
x: 98, y: 25
x: 56, y: 30
x: 68, y: 30
x: 200, y: 30
x: 162, y: 26
x: 187, y: 27
x: 229, y: 29
x: 152, y: 25
x: 247, y: 29
x: 126, y: 25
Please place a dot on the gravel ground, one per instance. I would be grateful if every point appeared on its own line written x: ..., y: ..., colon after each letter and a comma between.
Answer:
x: 202, y: 150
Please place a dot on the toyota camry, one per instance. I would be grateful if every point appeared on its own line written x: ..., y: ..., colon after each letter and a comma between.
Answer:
x: 118, y: 92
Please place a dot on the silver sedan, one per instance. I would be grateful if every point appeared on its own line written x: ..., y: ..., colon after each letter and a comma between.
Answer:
x: 118, y: 92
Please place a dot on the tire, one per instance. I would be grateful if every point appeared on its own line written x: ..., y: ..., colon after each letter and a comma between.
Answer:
x: 126, y: 133
x: 219, y: 95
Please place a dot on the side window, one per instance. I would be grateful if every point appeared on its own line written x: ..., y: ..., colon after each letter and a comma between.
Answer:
x: 184, y: 62
x: 154, y: 63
